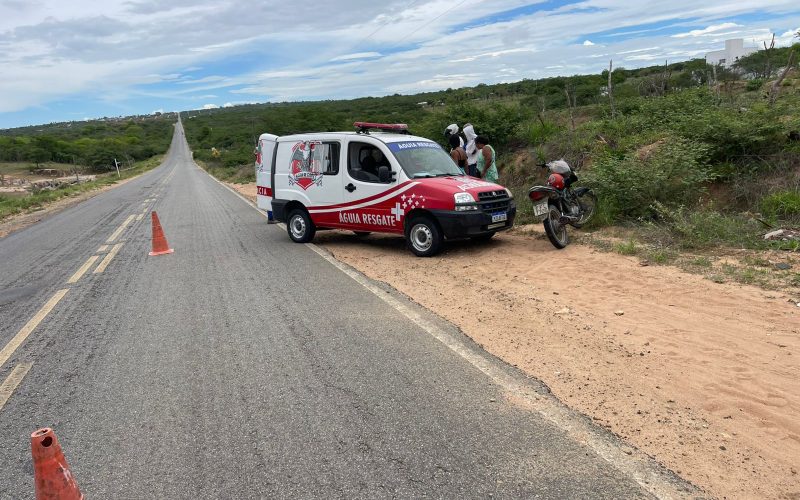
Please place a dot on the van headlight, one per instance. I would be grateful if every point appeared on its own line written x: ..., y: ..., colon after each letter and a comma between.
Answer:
x: 464, y: 202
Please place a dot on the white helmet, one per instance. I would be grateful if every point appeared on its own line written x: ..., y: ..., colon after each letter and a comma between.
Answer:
x: 559, y: 167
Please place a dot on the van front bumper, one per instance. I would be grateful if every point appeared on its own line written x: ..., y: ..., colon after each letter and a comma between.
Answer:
x: 474, y: 223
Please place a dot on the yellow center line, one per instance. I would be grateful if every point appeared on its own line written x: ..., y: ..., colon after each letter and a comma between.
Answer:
x: 103, y: 248
x: 12, y: 381
x: 139, y: 217
x: 119, y: 230
x: 85, y: 267
x: 31, y: 325
x: 104, y: 264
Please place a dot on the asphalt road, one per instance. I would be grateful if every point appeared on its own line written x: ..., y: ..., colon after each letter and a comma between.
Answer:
x: 247, y: 366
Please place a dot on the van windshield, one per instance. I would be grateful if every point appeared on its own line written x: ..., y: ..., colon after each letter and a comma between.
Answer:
x: 423, y: 159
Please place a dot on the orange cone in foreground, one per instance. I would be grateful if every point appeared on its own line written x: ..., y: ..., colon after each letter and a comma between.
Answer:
x: 50, y: 469
x: 160, y: 246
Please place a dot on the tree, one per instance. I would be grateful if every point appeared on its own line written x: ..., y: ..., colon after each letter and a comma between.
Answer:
x: 764, y: 63
x: 776, y: 86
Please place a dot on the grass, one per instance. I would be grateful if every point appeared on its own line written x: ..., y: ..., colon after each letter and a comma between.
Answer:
x: 702, y: 261
x: 24, y: 169
x: 242, y: 174
x: 10, y: 205
x: 661, y: 255
x: 626, y: 247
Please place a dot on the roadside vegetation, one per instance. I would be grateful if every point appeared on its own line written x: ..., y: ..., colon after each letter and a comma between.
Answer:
x: 41, y: 164
x: 684, y: 156
x: 37, y: 199
x: 92, y: 145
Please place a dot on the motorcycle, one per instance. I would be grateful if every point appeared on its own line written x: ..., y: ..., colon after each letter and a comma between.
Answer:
x: 557, y: 205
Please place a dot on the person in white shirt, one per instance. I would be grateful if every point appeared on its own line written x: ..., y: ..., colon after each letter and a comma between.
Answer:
x: 471, y: 150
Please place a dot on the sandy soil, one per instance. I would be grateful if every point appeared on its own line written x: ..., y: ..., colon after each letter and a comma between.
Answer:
x: 705, y: 377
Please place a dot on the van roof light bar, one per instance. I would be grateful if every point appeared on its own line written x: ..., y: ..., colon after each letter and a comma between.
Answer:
x: 365, y: 127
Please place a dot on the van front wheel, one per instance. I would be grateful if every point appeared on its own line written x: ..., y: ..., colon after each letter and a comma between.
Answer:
x: 424, y: 237
x: 300, y: 227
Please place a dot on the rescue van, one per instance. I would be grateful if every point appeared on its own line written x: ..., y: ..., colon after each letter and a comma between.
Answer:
x: 378, y: 178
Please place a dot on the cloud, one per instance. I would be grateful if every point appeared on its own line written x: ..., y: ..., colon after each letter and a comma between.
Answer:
x: 358, y: 55
x: 170, y: 53
x: 210, y: 106
x: 711, y: 30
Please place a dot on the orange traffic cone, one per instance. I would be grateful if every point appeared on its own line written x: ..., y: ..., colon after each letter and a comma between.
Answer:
x: 50, y: 469
x: 160, y: 246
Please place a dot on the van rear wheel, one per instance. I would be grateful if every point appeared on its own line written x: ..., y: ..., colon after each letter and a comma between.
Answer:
x: 300, y: 227
x: 423, y: 236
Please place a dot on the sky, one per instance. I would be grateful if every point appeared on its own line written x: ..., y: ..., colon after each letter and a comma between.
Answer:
x: 83, y: 59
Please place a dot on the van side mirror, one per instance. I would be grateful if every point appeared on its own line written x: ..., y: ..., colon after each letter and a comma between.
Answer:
x: 385, y: 175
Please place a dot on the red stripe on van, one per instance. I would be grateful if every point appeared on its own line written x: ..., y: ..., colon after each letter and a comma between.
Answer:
x: 362, y: 200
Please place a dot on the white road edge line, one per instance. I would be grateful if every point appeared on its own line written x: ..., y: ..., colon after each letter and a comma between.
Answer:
x: 85, y: 267
x: 642, y: 469
x: 12, y: 381
x: 31, y: 325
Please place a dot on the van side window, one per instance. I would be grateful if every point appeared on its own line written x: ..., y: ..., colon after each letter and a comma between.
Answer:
x: 367, y: 163
x: 330, y: 158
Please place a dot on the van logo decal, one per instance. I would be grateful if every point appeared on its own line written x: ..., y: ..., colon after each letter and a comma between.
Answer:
x: 306, y: 163
x: 258, y: 158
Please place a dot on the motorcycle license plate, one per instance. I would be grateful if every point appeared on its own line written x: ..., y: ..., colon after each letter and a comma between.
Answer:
x: 540, y: 209
x: 499, y: 217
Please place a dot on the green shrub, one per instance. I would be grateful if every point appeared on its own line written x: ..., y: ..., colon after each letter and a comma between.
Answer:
x: 781, y: 205
x: 628, y: 186
x: 754, y: 84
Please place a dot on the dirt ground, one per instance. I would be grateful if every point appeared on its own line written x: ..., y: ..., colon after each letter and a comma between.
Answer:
x: 703, y: 376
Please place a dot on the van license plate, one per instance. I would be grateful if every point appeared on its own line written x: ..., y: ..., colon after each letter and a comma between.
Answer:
x: 540, y: 209
x: 499, y: 217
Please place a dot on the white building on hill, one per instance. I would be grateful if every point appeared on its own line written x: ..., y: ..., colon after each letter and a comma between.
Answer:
x: 734, y: 49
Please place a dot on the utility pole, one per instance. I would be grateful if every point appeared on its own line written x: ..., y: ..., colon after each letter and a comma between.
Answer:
x: 611, y: 88
x: 116, y: 164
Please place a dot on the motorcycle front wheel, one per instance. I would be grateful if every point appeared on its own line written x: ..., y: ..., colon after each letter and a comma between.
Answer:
x: 556, y: 231
x: 588, y: 204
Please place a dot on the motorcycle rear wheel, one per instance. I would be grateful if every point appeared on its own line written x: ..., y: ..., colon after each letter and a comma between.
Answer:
x: 556, y: 231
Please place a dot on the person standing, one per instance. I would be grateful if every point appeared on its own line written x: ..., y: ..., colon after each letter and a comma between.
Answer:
x: 471, y: 150
x: 487, y: 168
x: 452, y: 130
x: 457, y: 153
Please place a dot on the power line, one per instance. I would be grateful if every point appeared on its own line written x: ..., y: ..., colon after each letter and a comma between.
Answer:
x: 408, y: 35
x: 428, y: 23
x: 357, y: 44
